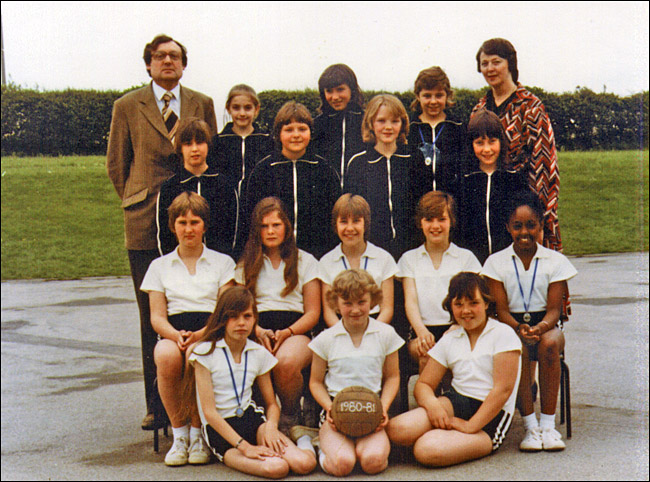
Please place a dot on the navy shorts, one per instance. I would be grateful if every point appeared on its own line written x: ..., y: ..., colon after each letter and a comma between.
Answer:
x: 246, y: 427
x: 278, y: 320
x: 189, y: 321
x: 466, y: 407
x: 436, y: 330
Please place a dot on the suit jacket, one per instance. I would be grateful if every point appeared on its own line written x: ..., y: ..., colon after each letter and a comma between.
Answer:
x: 139, y: 157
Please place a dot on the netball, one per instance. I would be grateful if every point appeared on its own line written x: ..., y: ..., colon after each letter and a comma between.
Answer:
x: 357, y: 411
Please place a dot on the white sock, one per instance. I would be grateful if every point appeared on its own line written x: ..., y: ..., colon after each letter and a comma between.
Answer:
x: 304, y: 443
x: 530, y: 421
x: 547, y: 421
x: 321, y: 460
x: 195, y: 433
x: 181, y: 432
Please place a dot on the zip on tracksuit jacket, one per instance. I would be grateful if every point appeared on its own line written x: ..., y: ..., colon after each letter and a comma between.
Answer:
x: 482, y: 204
x: 235, y: 156
x: 337, y: 136
x: 442, y: 168
x: 222, y: 198
x: 308, y: 187
x: 387, y: 185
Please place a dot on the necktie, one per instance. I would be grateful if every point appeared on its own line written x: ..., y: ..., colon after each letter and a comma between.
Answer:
x: 169, y: 116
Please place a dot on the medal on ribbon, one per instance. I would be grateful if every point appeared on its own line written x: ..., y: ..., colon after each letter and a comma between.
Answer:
x: 240, y: 411
x: 527, y: 316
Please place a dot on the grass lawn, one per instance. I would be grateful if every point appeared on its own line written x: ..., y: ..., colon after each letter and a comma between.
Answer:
x: 603, y: 201
x: 61, y: 217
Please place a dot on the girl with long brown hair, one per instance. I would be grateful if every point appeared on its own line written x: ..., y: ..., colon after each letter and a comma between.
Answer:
x: 284, y: 280
x: 223, y: 366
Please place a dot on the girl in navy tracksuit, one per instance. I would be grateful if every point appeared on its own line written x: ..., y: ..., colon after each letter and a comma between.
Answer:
x: 192, y: 147
x: 483, y: 193
x: 241, y: 143
x: 438, y: 139
x: 337, y: 130
x: 302, y: 180
x: 239, y: 146
x: 382, y: 174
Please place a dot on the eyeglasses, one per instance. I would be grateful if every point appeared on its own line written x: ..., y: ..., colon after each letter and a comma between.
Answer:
x: 160, y: 56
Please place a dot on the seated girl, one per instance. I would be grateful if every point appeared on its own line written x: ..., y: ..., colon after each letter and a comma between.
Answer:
x: 472, y: 419
x: 351, y: 221
x: 183, y: 288
x: 223, y: 366
x: 426, y: 271
x: 528, y: 282
x: 284, y: 280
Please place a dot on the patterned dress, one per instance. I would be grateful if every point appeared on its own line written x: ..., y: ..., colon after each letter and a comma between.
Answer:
x: 532, y: 149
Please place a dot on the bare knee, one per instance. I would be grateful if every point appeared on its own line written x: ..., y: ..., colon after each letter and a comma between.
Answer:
x: 342, y: 465
x: 275, y: 468
x: 286, y: 376
x: 288, y: 366
x: 304, y: 463
x: 168, y: 359
x: 427, y: 452
x: 548, y: 350
x: 413, y: 350
x: 396, y: 430
x: 373, y: 463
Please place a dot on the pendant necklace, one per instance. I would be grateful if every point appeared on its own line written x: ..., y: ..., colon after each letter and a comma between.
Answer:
x: 527, y: 316
x: 240, y: 411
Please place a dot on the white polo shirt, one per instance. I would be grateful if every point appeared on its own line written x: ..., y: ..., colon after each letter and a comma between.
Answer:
x: 270, y: 284
x: 348, y: 365
x: 552, y: 267
x: 375, y: 260
x: 432, y: 285
x: 260, y: 361
x: 185, y: 292
x: 472, y: 370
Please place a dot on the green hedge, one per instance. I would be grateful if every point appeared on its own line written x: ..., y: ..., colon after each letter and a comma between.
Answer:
x: 56, y: 122
x: 78, y: 121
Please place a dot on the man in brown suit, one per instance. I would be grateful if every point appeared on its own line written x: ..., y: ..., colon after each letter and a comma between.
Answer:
x: 139, y: 160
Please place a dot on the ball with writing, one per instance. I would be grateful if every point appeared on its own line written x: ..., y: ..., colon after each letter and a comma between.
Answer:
x: 356, y: 411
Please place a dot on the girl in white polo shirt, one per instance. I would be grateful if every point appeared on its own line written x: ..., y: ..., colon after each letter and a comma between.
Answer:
x: 284, y: 280
x: 351, y: 222
x: 183, y: 288
x: 426, y: 271
x: 222, y: 369
x: 528, y: 282
x: 471, y: 419
x: 358, y: 350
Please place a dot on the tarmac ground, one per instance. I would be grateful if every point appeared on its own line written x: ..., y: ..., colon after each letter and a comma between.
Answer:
x: 73, y: 398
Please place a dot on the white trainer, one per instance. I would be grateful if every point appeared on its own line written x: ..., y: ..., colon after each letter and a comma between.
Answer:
x: 177, y: 455
x: 552, y: 440
x: 532, y: 441
x: 198, y: 453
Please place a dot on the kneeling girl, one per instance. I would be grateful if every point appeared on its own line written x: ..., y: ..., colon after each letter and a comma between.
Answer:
x: 358, y: 350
